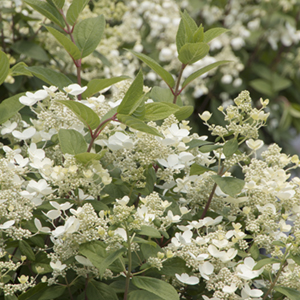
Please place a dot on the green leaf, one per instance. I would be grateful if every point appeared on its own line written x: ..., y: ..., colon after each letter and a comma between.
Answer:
x: 138, y: 124
x: 156, y: 286
x: 262, y: 86
x: 180, y: 36
x: 198, y: 169
x: 139, y: 240
x: 98, y: 256
x: 149, y: 250
x: 266, y: 261
x: 295, y: 258
x: 48, y: 11
x: 87, y: 157
x: 174, y: 265
x: 254, y: 251
x: 108, y: 260
x: 69, y: 46
x: 292, y: 294
x: 26, y: 250
x: 96, y: 85
x: 88, y: 34
x: 75, y: 9
x: 294, y: 110
x: 71, y: 141
x: 229, y: 185
x: 52, y: 292
x: 149, y: 231
x: 202, y: 71
x: 280, y: 83
x: 190, y: 27
x: 213, y: 33
x: 140, y: 111
x: 230, y: 147
x: 50, y: 76
x: 159, y: 110
x: 107, y: 117
x: 34, y: 293
x: 198, y: 35
x: 85, y: 114
x: 150, y: 179
x: 59, y: 3
x: 133, y: 96
x: 192, y: 52
x: 165, y: 95
x: 145, y: 295
x: 9, y: 107
x: 279, y: 243
x: 10, y: 297
x: 165, y: 75
x: 31, y: 50
x: 20, y: 69
x: 184, y: 112
x: 4, y: 66
x: 100, y: 291
x: 197, y: 143
x: 94, y: 251
x: 209, y: 148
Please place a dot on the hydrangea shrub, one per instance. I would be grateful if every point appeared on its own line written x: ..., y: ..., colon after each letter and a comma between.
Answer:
x: 111, y: 196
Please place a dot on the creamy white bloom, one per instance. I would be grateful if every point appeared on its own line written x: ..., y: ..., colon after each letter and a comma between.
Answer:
x: 57, y: 265
x: 254, y: 145
x: 32, y: 98
x: 186, y: 279
x: 24, y: 135
x: 64, y: 206
x: 41, y: 187
x: 224, y: 256
x: 172, y: 218
x: 7, y: 224
x: 8, y: 127
x: 245, y: 270
x: 247, y: 292
x: 230, y: 289
x: 74, y: 89
x: 83, y: 260
x: 39, y: 226
x: 205, y: 116
x: 123, y: 201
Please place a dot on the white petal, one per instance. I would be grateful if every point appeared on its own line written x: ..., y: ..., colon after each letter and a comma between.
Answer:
x: 26, y: 134
x: 7, y: 224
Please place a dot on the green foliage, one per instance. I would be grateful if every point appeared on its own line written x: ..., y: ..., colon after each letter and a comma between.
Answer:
x: 288, y: 292
x: 156, y: 286
x: 88, y: 34
x: 137, y: 124
x: 71, y: 141
x: 86, y: 115
x: 192, y: 52
x: 166, y: 76
x: 75, y: 9
x: 70, y: 47
x: 96, y: 85
x: 4, y: 66
x: 230, y: 147
x: 50, y: 76
x: 229, y: 185
x: 9, y: 107
x: 133, y: 96
x: 48, y: 11
x: 30, y: 49
x: 198, y: 169
x: 26, y: 250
